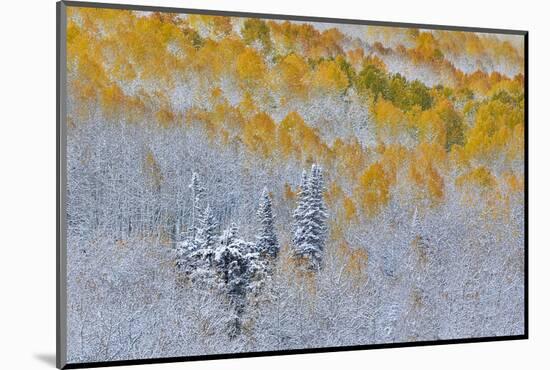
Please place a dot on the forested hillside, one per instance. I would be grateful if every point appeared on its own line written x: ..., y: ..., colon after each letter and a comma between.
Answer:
x: 242, y: 184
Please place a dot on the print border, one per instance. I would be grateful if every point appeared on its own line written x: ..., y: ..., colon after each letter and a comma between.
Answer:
x: 61, y: 186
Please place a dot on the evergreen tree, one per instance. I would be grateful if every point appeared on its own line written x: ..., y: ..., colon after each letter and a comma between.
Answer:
x: 310, y: 217
x: 239, y: 273
x: 189, y: 250
x: 229, y: 235
x: 299, y: 213
x: 206, y: 232
x: 268, y: 244
x: 205, y: 242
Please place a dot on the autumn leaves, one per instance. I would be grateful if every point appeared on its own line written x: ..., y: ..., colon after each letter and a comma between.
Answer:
x: 427, y: 137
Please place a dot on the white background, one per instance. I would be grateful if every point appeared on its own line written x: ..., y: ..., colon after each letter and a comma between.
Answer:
x: 27, y: 182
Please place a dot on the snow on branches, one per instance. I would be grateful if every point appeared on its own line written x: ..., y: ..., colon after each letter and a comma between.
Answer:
x: 310, y: 219
x: 268, y: 244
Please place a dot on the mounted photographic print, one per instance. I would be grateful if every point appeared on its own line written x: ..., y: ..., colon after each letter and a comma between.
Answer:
x: 235, y: 184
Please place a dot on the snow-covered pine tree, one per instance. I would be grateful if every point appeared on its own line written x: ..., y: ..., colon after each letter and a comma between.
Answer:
x: 206, y: 232
x: 316, y: 231
x: 206, y: 242
x: 188, y: 247
x: 267, y: 244
x: 236, y: 268
x: 300, y: 212
x: 229, y: 235
x: 310, y: 219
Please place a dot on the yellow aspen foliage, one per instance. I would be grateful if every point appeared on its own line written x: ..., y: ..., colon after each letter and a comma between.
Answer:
x: 333, y: 193
x: 165, y: 116
x: 327, y: 44
x: 285, y: 136
x: 247, y: 106
x: 259, y: 134
x: 373, y: 190
x: 250, y: 68
x: 392, y: 157
x: 478, y: 82
x: 374, y: 60
x: 355, y: 262
x: 291, y: 75
x: 216, y: 58
x: 289, y: 194
x: 284, y: 35
x: 426, y: 49
x: 453, y: 123
x: 424, y: 174
x: 388, y: 114
x: 256, y: 30
x: 515, y: 147
x: 475, y: 45
x: 216, y: 95
x: 356, y: 57
x: 329, y: 77
x: 298, y: 139
x: 514, y: 183
x: 350, y: 211
x: 514, y: 87
x: 112, y: 98
x: 210, y: 25
x: 480, y: 177
x: 125, y: 65
x: 492, y: 130
x: 305, y: 39
x: 226, y: 116
x: 352, y: 159
x: 431, y: 128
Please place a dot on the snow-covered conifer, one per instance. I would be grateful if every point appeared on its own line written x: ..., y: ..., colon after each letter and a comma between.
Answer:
x: 229, y: 235
x: 206, y: 232
x: 310, y: 228
x: 268, y: 244
x: 300, y: 211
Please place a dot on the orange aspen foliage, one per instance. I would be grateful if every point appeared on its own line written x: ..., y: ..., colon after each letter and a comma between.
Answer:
x: 247, y: 106
x: 350, y: 211
x: 431, y: 128
x: 259, y: 134
x: 480, y: 177
x: 289, y: 194
x: 298, y: 139
x: 426, y: 49
x: 212, y: 26
x: 333, y: 193
x: 165, y: 117
x: 356, y: 57
x: 250, y: 68
x: 515, y: 183
x: 373, y: 190
x: 388, y: 117
x: 392, y: 157
x: 329, y: 77
x: 291, y: 75
x: 351, y: 157
x: 424, y: 174
x: 494, y: 123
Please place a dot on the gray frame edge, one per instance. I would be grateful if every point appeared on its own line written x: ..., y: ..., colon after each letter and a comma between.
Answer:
x: 61, y: 186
